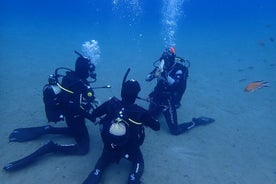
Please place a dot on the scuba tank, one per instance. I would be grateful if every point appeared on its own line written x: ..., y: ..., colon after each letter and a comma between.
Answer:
x: 54, y: 94
x: 52, y: 97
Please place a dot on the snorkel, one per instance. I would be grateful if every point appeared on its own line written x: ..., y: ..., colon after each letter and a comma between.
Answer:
x: 125, y: 76
x: 79, y: 54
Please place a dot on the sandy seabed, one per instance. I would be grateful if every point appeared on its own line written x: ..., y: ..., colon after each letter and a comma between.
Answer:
x: 238, y: 148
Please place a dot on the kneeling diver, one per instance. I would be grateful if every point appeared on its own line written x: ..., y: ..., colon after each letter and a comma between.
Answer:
x: 171, y: 74
x: 77, y: 103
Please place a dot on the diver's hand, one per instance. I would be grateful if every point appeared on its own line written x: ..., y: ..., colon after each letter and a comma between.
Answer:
x: 158, y: 72
x: 152, y: 75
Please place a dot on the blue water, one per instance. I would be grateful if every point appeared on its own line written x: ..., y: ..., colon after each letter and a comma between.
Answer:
x: 137, y: 22
x: 136, y: 17
x: 229, y: 44
x: 136, y: 31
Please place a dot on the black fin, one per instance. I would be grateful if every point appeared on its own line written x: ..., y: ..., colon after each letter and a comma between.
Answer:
x: 21, y: 163
x: 203, y: 120
x: 27, y: 134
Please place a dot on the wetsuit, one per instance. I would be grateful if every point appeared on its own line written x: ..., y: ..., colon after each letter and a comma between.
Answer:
x: 76, y: 109
x: 166, y: 96
x: 76, y: 105
x: 129, y: 146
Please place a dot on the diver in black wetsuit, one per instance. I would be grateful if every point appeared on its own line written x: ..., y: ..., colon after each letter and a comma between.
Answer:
x: 171, y: 85
x: 78, y: 98
x: 122, y: 131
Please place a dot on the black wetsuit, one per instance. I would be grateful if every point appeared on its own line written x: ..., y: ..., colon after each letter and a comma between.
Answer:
x: 76, y: 105
x: 167, y: 95
x: 115, y: 149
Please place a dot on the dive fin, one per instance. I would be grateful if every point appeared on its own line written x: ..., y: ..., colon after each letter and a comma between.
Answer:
x: 27, y: 134
x: 21, y: 163
x: 203, y: 120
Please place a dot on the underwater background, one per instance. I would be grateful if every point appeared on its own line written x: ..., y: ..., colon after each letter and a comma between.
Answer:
x: 228, y: 43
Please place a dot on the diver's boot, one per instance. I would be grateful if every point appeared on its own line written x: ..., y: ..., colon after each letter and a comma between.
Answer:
x: 27, y: 134
x: 47, y: 148
x: 202, y: 121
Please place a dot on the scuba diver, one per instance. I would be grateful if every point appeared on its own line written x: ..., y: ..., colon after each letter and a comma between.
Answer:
x: 73, y: 99
x: 122, y: 131
x: 171, y: 74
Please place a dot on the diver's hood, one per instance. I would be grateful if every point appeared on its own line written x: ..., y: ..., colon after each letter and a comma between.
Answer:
x: 168, y: 56
x: 130, y: 90
x: 84, y: 68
